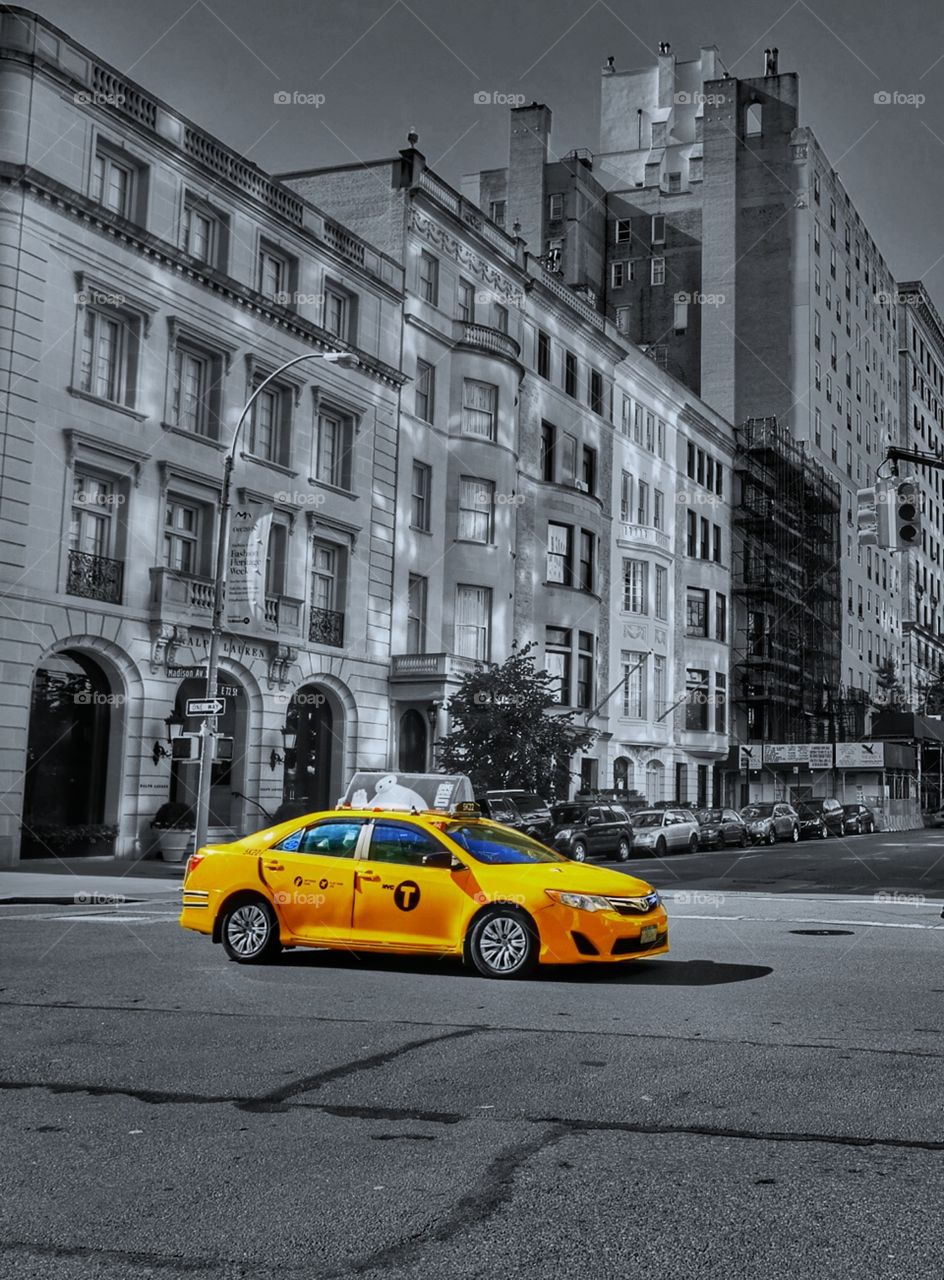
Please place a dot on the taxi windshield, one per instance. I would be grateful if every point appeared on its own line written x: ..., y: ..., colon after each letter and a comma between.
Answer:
x: 497, y: 845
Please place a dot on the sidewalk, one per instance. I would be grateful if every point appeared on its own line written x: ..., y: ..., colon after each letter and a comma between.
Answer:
x: 67, y: 881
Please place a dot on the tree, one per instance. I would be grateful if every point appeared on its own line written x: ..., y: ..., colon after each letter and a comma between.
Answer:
x: 931, y: 695
x: 889, y: 692
x: 508, y: 730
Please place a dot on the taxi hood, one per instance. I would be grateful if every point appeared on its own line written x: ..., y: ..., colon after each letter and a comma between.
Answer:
x: 570, y: 877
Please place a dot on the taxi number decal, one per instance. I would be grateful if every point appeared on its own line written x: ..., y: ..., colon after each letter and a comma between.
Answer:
x: 407, y: 895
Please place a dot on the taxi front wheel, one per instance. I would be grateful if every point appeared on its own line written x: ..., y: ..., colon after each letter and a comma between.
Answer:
x: 250, y: 932
x: 502, y: 944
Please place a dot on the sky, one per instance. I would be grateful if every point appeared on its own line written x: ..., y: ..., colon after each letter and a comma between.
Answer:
x: 367, y: 71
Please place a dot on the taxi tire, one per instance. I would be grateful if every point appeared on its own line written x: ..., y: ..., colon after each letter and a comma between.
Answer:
x: 481, y: 923
x: 253, y: 907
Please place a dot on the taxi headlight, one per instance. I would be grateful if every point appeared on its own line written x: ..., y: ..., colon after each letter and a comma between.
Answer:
x: 579, y: 901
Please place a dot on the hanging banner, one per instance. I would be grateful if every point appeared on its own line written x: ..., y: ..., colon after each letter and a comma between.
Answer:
x: 245, y: 586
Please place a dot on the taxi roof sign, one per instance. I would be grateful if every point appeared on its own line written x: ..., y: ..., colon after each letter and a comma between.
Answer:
x: 408, y: 792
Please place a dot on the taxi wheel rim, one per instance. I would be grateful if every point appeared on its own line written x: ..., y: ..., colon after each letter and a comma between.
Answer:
x: 503, y: 943
x: 247, y: 930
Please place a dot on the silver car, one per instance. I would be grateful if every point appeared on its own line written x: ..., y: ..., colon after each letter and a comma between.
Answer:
x: 770, y: 820
x: 662, y: 831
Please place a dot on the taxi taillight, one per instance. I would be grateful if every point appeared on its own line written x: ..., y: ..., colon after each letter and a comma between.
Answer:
x: 194, y: 861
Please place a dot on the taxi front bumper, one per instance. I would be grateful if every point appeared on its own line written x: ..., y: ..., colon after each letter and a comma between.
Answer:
x: 572, y: 936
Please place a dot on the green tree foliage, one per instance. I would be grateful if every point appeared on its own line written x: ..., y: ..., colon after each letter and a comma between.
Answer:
x: 889, y: 692
x: 508, y: 729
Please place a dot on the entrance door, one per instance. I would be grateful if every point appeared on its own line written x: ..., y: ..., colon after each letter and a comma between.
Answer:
x: 309, y: 769
x: 412, y: 752
x: 399, y: 900
x: 311, y: 876
x: 66, y: 756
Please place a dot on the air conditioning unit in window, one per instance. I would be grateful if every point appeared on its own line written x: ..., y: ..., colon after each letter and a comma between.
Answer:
x: 582, y: 486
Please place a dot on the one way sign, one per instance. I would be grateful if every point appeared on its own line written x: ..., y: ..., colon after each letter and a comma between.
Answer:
x: 206, y: 706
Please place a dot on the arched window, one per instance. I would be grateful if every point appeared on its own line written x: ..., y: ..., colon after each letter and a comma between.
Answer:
x: 753, y: 120
x: 655, y: 781
x: 623, y: 774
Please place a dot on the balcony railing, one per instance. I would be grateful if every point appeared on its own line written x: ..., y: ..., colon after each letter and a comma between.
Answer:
x: 430, y: 666
x: 284, y: 614
x: 643, y: 535
x: 483, y: 338
x: 325, y: 626
x: 94, y: 577
x: 185, y: 593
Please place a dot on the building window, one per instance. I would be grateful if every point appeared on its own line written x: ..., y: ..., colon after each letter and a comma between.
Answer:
x: 203, y: 233
x: 557, y: 655
x: 339, y: 312
x: 496, y: 211
x: 479, y: 409
x: 182, y: 531
x: 419, y: 500
x: 266, y: 426
x: 92, y: 516
x: 500, y: 318
x: 696, y: 699
x: 753, y: 120
x: 416, y: 614
x: 617, y: 274
x: 596, y: 391
x: 570, y: 373
x: 109, y: 355
x: 696, y: 612
x: 657, y: 271
x: 555, y: 207
x: 716, y: 543
x: 622, y: 319
x: 680, y: 321
x: 473, y: 622
x: 674, y: 183
x: 476, y: 504
x: 626, y: 497
x: 429, y: 278
x: 588, y: 469
x: 544, y: 354
x: 275, y: 271
x: 333, y: 449
x: 466, y: 301
x: 423, y: 391
x: 634, y: 685
x: 115, y: 182
x: 642, y: 502
x: 721, y: 700
x: 658, y: 509
x: 721, y: 617
x: 325, y: 582
x: 661, y: 593
x: 585, y: 563
x: 584, y: 670
x: 623, y: 230
x: 548, y: 435
x: 560, y: 554
x: 635, y: 586
x: 658, y: 686
x: 691, y: 533
x: 658, y: 228
x: 196, y: 392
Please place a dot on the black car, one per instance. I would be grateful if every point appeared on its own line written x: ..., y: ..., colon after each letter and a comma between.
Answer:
x: 719, y: 827
x: 820, y: 818
x: 534, y: 811
x: 858, y: 819
x: 592, y: 830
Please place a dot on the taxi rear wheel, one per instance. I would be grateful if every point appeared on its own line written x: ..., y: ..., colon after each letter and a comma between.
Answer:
x: 250, y: 931
x: 502, y: 943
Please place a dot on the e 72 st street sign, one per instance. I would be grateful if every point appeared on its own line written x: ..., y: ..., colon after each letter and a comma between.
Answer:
x: 206, y: 706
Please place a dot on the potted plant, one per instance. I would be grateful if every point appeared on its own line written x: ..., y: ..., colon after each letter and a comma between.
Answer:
x: 87, y: 839
x: 175, y: 823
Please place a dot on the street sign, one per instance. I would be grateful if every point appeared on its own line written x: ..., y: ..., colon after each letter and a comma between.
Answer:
x: 206, y: 706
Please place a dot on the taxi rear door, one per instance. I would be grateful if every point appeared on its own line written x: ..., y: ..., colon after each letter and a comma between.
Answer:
x: 402, y: 901
x: 311, y: 876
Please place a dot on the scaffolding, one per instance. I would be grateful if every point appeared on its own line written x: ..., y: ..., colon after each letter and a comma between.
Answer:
x: 788, y: 592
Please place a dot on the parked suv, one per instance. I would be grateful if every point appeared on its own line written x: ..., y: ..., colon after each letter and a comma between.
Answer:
x: 770, y: 821
x: 535, y: 812
x: 583, y: 830
x: 718, y: 827
x: 820, y: 818
x: 661, y: 831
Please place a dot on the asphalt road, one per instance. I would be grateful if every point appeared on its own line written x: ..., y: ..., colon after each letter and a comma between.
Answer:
x: 766, y: 1100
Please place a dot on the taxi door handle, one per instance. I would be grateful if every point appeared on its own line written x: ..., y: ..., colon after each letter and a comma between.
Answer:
x: 274, y: 866
x: 364, y: 875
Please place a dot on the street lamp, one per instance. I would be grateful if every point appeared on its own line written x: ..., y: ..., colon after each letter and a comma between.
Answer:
x: 174, y: 724
x: 208, y: 728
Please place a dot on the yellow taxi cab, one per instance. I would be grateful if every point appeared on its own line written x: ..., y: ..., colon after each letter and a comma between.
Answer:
x: 425, y: 877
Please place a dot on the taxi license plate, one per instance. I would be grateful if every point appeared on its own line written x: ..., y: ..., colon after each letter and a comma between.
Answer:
x: 648, y: 933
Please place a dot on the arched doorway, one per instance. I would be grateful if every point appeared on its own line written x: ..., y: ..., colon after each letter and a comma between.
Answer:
x: 411, y: 755
x: 655, y: 781
x: 313, y: 769
x: 67, y: 758
x: 227, y: 769
x: 623, y: 774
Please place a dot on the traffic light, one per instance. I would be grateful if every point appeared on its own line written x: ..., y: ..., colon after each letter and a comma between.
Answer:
x: 872, y: 522
x: 907, y: 515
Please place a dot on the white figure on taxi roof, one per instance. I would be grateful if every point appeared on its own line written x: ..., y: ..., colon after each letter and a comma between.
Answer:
x: 388, y: 794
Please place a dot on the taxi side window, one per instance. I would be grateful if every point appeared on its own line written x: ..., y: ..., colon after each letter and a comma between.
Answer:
x: 326, y: 839
x: 393, y: 842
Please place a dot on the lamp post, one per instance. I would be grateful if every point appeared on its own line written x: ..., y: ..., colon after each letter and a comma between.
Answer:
x: 208, y: 728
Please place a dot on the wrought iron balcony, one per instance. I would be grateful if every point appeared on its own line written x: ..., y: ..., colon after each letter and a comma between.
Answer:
x: 94, y: 577
x: 325, y: 626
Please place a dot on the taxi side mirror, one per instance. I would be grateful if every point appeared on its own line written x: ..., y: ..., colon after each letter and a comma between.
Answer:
x: 441, y: 858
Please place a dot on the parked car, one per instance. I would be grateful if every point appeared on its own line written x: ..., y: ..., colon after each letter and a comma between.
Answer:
x: 858, y: 819
x: 820, y: 818
x: 500, y: 809
x: 660, y: 831
x: 534, y: 810
x: 584, y: 830
x: 718, y: 827
x: 769, y: 821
